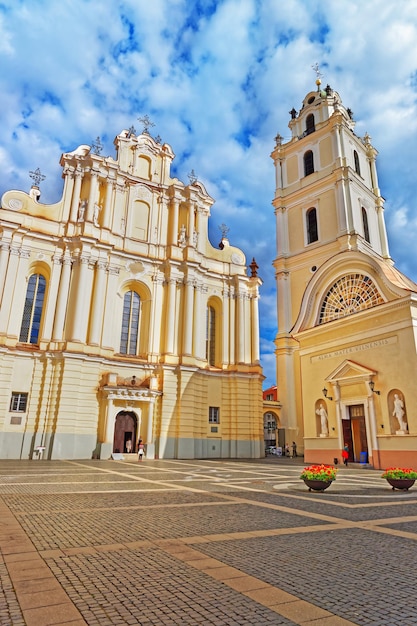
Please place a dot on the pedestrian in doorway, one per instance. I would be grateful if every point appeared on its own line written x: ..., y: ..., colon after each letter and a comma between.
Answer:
x: 294, y: 449
x: 345, y: 454
x: 141, y: 450
x: 287, y: 450
x: 128, y: 446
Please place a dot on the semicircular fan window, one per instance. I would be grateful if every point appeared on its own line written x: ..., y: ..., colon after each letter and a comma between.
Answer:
x: 350, y: 294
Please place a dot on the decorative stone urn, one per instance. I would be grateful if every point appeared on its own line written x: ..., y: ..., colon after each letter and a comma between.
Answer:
x: 403, y: 484
x: 317, y: 485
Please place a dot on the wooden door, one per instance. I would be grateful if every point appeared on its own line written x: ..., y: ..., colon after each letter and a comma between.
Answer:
x: 124, y: 430
x: 358, y: 429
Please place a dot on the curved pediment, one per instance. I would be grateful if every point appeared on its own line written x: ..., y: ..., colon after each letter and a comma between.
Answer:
x: 346, y: 284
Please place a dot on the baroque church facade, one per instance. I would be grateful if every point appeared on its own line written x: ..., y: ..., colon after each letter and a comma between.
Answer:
x: 346, y: 345
x: 119, y: 321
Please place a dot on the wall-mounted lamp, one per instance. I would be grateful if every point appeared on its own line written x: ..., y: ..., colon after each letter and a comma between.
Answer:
x: 371, y: 386
x: 382, y: 425
x: 333, y: 428
x: 325, y: 394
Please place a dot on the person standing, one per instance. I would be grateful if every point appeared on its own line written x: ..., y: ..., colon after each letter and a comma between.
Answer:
x: 294, y: 449
x: 141, y: 450
x: 345, y: 454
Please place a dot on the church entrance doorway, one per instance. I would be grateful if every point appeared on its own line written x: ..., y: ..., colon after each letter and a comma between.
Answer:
x: 125, y: 432
x: 354, y: 432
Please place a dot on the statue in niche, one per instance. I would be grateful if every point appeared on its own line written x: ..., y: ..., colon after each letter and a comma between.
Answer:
x: 195, y: 238
x: 81, y: 210
x: 399, y: 412
x: 96, y: 213
x: 323, y: 420
x: 182, y: 238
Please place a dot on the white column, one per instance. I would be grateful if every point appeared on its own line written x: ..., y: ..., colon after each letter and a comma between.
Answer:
x: 248, y: 329
x: 62, y: 299
x: 382, y: 228
x: 149, y: 434
x: 199, y: 230
x: 156, y: 309
x: 173, y: 228
x: 98, y: 304
x: 191, y: 224
x: 226, y: 330
x: 188, y: 317
x: 9, y: 287
x: 284, y: 302
x: 282, y: 238
x: 92, y: 197
x: 4, y: 260
x: 51, y: 303
x: 108, y: 204
x: 170, y: 316
x: 75, y: 196
x: 110, y: 418
x: 255, y: 329
x: 17, y: 294
x: 199, y: 316
x: 111, y: 334
x: 240, y: 328
x: 232, y: 325
x: 78, y: 328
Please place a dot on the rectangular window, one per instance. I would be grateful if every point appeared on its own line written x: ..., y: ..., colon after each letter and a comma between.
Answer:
x: 19, y: 402
x: 214, y: 415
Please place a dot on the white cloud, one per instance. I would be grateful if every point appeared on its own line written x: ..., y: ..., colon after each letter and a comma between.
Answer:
x: 218, y: 78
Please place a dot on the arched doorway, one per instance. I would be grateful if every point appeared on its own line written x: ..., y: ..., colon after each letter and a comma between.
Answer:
x: 125, y: 430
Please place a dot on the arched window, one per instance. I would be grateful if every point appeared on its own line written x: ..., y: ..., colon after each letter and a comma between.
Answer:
x: 365, y: 225
x: 312, y: 231
x: 357, y: 165
x: 211, y: 336
x: 350, y: 294
x: 310, y: 126
x: 308, y: 163
x: 130, y: 323
x: 32, y: 312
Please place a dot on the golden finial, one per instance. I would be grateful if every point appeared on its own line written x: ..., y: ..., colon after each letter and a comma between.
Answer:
x: 318, y: 74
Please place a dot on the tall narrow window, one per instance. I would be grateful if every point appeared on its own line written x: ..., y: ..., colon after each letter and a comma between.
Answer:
x: 312, y: 231
x: 32, y: 312
x: 310, y: 126
x: 130, y: 323
x: 308, y: 163
x: 214, y: 415
x: 211, y: 336
x: 365, y: 225
x: 357, y: 165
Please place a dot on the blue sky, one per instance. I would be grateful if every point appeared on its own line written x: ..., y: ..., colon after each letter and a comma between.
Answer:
x: 218, y: 79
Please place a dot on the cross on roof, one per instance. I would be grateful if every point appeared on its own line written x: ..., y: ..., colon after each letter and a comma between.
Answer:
x: 37, y: 176
x: 146, y: 122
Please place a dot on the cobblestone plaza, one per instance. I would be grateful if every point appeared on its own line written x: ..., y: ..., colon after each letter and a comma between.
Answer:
x: 203, y: 542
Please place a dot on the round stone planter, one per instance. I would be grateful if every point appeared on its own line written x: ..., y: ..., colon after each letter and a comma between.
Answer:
x: 401, y: 483
x: 317, y: 485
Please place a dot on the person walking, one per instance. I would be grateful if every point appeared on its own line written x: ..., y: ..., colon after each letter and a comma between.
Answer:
x: 141, y: 450
x: 294, y: 450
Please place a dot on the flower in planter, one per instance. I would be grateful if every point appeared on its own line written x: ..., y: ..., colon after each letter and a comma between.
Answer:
x: 400, y: 473
x: 319, y: 472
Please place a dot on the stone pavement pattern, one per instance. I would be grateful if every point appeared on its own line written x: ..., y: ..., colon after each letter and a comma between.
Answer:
x: 202, y: 542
